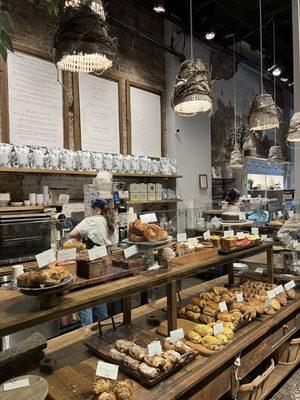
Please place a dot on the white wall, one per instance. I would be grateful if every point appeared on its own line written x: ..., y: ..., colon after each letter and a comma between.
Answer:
x: 191, y: 147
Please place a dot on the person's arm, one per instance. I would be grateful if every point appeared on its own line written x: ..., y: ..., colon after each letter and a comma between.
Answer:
x: 80, y: 231
x: 75, y: 234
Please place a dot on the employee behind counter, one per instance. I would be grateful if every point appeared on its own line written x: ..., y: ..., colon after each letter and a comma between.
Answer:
x: 98, y: 230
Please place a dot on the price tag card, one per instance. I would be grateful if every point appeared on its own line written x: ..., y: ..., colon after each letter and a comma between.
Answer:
x: 267, y: 303
x: 228, y: 234
x: 240, y: 235
x: 242, y: 216
x: 177, y: 334
x: 259, y: 270
x: 218, y: 328
x: 154, y: 348
x: 107, y: 370
x: 279, y: 289
x: 181, y: 237
x: 97, y: 252
x: 206, y: 235
x: 291, y: 214
x: 63, y: 199
x: 15, y: 384
x: 66, y: 255
x: 264, y: 238
x: 279, y: 214
x: 271, y: 294
x: 147, y: 218
x: 239, y: 297
x: 130, y: 251
x: 192, y: 242
x: 255, y: 231
x: 223, y: 306
x: 289, y: 285
x: 45, y: 258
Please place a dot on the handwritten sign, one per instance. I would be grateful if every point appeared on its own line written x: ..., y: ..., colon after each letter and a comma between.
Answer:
x: 240, y: 235
x: 289, y: 285
x: 264, y: 238
x: 107, y: 370
x: 218, y: 328
x: 279, y: 289
x: 154, y: 348
x: 192, y: 242
x: 130, y: 251
x: 97, y: 252
x: 147, y: 218
x: 228, y: 234
x: 177, y: 334
x: 242, y: 216
x: 45, y: 258
x: 66, y: 255
x: 16, y: 384
x: 271, y: 294
x: 239, y: 297
x: 255, y: 231
x: 181, y: 237
x: 206, y: 235
x: 223, y: 306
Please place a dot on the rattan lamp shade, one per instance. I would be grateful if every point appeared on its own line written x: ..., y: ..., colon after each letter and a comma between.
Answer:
x: 275, y: 155
x: 236, y: 158
x: 193, y: 93
x: 81, y: 41
x: 264, y: 113
x: 294, y: 131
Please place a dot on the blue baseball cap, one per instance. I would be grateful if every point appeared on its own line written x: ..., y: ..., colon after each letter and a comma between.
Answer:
x: 99, y: 203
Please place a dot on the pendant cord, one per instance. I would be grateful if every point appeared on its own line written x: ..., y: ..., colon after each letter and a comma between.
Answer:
x: 274, y: 78
x: 191, y: 27
x: 261, y: 48
x: 234, y: 87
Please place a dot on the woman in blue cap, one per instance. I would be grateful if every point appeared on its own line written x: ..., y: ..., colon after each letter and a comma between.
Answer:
x: 98, y: 230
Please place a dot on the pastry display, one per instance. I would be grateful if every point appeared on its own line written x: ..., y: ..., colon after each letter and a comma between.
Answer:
x: 139, y: 232
x: 105, y: 389
x: 216, y: 241
x: 228, y: 243
x: 46, y: 277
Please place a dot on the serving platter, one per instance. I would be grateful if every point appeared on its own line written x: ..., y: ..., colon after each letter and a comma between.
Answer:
x: 65, y: 283
x: 149, y: 244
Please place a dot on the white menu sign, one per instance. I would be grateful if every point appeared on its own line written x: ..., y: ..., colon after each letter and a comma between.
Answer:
x: 107, y: 370
x: 45, y: 258
x: 99, y: 114
x: 35, y: 102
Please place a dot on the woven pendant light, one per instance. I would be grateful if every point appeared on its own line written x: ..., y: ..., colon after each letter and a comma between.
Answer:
x: 236, y: 157
x: 263, y: 112
x: 294, y: 131
x: 81, y: 40
x: 193, y: 91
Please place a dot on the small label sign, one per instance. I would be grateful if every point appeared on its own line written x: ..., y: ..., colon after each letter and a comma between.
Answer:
x: 218, y: 328
x: 66, y: 255
x: 45, y: 258
x: 255, y: 231
x: 279, y: 289
x: 223, y: 306
x: 206, y: 235
x: 16, y: 384
x: 259, y: 270
x: 267, y: 303
x: 181, y: 237
x: 291, y: 214
x: 271, y: 294
x: 107, y: 370
x: 97, y: 252
x: 130, y: 251
x: 242, y: 216
x: 192, y: 242
x: 279, y: 214
x: 154, y: 348
x: 228, y: 234
x: 289, y: 285
x: 240, y: 235
x: 239, y: 297
x: 177, y: 334
x: 264, y: 238
x: 147, y: 218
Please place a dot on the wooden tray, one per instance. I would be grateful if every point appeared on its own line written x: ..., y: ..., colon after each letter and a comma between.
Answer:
x: 37, y: 390
x: 100, y: 345
x: 186, y: 325
x: 194, y: 257
x: 235, y: 249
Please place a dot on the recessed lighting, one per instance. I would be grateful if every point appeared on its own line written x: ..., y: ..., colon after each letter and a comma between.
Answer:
x: 210, y: 35
x: 159, y: 7
x: 283, y: 79
x: 276, y: 71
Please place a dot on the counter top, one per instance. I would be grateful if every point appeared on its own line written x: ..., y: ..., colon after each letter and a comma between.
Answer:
x: 18, y: 311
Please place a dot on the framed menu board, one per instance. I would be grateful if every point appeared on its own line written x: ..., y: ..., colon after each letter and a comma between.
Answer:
x: 33, y: 101
x: 144, y: 120
x: 98, y: 127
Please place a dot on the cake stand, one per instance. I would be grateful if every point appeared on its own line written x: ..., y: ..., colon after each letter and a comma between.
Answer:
x: 48, y: 295
x: 148, y: 249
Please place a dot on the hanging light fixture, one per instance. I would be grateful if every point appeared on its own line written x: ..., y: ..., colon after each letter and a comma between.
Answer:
x: 236, y: 157
x: 263, y: 112
x: 193, y: 91
x: 159, y: 6
x: 81, y: 40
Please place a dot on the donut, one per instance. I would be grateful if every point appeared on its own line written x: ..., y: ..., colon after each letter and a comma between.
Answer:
x: 153, y: 233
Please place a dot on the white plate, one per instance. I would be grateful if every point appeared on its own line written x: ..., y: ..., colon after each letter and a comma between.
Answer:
x: 149, y: 244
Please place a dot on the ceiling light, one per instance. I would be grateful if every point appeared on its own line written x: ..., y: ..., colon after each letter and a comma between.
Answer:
x: 159, y: 7
x: 294, y: 130
x: 81, y: 40
x: 283, y: 79
x: 210, y: 35
x: 193, y: 91
x: 276, y: 71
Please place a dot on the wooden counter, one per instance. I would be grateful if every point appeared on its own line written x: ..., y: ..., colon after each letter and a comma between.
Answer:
x: 18, y: 311
x: 207, y: 378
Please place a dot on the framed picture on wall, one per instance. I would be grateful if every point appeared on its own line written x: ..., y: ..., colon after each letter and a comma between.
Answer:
x: 203, y: 183
x: 216, y: 172
x: 144, y: 120
x: 97, y: 106
x: 35, y: 103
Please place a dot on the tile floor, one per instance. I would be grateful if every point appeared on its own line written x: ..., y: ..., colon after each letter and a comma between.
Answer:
x: 290, y: 390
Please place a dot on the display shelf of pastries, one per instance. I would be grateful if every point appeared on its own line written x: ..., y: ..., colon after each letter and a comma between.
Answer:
x: 146, y: 233
x: 107, y: 389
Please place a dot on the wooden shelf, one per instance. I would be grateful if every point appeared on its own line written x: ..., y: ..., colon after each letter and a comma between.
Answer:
x: 22, y: 208
x: 153, y: 202
x: 83, y: 173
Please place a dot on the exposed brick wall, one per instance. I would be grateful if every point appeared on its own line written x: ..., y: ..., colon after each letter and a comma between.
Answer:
x: 137, y: 60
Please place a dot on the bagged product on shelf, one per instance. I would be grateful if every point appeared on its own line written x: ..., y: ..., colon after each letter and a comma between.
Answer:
x: 67, y: 159
x: 127, y: 163
x: 97, y: 161
x: 36, y: 157
x: 20, y: 156
x: 5, y: 154
x: 135, y: 164
x: 51, y: 158
x: 173, y: 167
x: 145, y: 165
x: 83, y: 160
x: 108, y: 162
x: 165, y: 167
x: 118, y: 163
x: 154, y: 166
